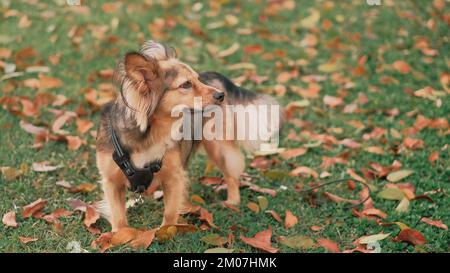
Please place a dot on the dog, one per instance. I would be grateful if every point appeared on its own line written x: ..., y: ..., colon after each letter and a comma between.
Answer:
x: 152, y: 83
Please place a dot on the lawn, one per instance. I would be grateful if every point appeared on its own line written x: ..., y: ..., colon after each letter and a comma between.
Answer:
x: 365, y: 86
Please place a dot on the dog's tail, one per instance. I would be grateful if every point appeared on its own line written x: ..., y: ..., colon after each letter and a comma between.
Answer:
x: 253, y: 133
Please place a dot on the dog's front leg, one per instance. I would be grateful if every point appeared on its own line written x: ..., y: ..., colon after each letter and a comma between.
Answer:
x: 115, y: 195
x: 174, y: 182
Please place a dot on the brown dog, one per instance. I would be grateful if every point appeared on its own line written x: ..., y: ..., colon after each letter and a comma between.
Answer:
x: 152, y: 83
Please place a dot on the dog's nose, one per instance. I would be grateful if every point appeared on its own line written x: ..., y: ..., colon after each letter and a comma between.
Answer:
x: 219, y: 96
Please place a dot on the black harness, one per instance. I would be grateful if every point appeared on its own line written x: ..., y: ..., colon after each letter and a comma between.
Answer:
x: 139, y: 179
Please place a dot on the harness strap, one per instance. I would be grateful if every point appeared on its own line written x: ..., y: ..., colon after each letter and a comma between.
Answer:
x: 139, y: 178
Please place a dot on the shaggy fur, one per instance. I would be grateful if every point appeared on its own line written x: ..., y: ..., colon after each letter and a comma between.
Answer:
x: 152, y: 82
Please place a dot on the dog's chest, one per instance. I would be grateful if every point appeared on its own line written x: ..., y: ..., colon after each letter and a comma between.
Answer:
x: 154, y: 152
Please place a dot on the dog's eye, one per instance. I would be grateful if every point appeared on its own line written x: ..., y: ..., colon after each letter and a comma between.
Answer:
x: 186, y: 85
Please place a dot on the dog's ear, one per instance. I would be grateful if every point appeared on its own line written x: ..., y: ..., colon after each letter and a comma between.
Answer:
x: 141, y: 70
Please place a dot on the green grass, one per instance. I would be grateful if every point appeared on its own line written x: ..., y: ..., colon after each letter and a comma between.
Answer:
x: 378, y: 28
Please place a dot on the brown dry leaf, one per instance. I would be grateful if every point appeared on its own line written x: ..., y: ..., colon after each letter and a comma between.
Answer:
x: 208, y: 217
x: 9, y: 219
x: 275, y: 215
x: 339, y: 199
x: 304, y: 170
x: 374, y: 212
x: 5, y: 53
x: 402, y: 67
x: 26, y: 240
x: 433, y: 157
x: 413, y: 143
x: 374, y: 150
x: 435, y: 223
x: 58, y: 213
x: 290, y: 220
x: 44, y: 167
x: 84, y: 125
x: 328, y: 245
x: 143, y: 240
x: 90, y: 217
x: 411, y: 236
x: 74, y: 142
x: 261, y: 240
x: 31, y: 209
x: 253, y: 207
x: 83, y: 188
x: 288, y: 154
x: 196, y: 198
x: 332, y: 101
x: 103, y: 242
x: 49, y: 82
x: 124, y: 235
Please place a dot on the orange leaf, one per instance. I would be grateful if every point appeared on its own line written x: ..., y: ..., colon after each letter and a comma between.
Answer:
x: 332, y: 101
x: 433, y: 157
x: 31, y: 209
x: 435, y: 223
x: 91, y: 216
x: 253, y: 207
x: 261, y: 241
x: 74, y: 142
x: 411, y: 236
x: 402, y: 67
x: 58, y: 213
x: 9, y: 219
x: 103, y: 242
x: 84, y: 188
x: 329, y: 245
x: 124, y: 235
x: 275, y: 215
x: 84, y: 125
x: 290, y: 220
x: 207, y: 216
x: 339, y: 199
x: 143, y: 240
x: 288, y: 154
x: 26, y: 240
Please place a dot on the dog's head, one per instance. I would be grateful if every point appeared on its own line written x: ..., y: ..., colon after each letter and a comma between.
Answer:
x: 153, y: 79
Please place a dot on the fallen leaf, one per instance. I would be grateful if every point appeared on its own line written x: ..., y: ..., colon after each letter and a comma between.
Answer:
x: 332, y: 101
x: 90, y: 217
x: 83, y: 188
x: 290, y: 220
x: 275, y: 215
x: 44, y: 167
x: 31, y: 209
x: 436, y: 223
x: 208, y: 217
x: 261, y: 241
x: 26, y: 240
x: 403, y: 206
x: 288, y: 154
x: 263, y: 203
x: 124, y: 235
x: 297, y: 242
x: 411, y: 236
x: 398, y: 175
x: 402, y: 67
x: 372, y: 238
x: 103, y: 242
x: 253, y: 207
x: 392, y: 194
x: 74, y: 142
x: 329, y: 245
x: 219, y: 250
x: 143, y: 240
x: 214, y: 239
x: 9, y: 219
